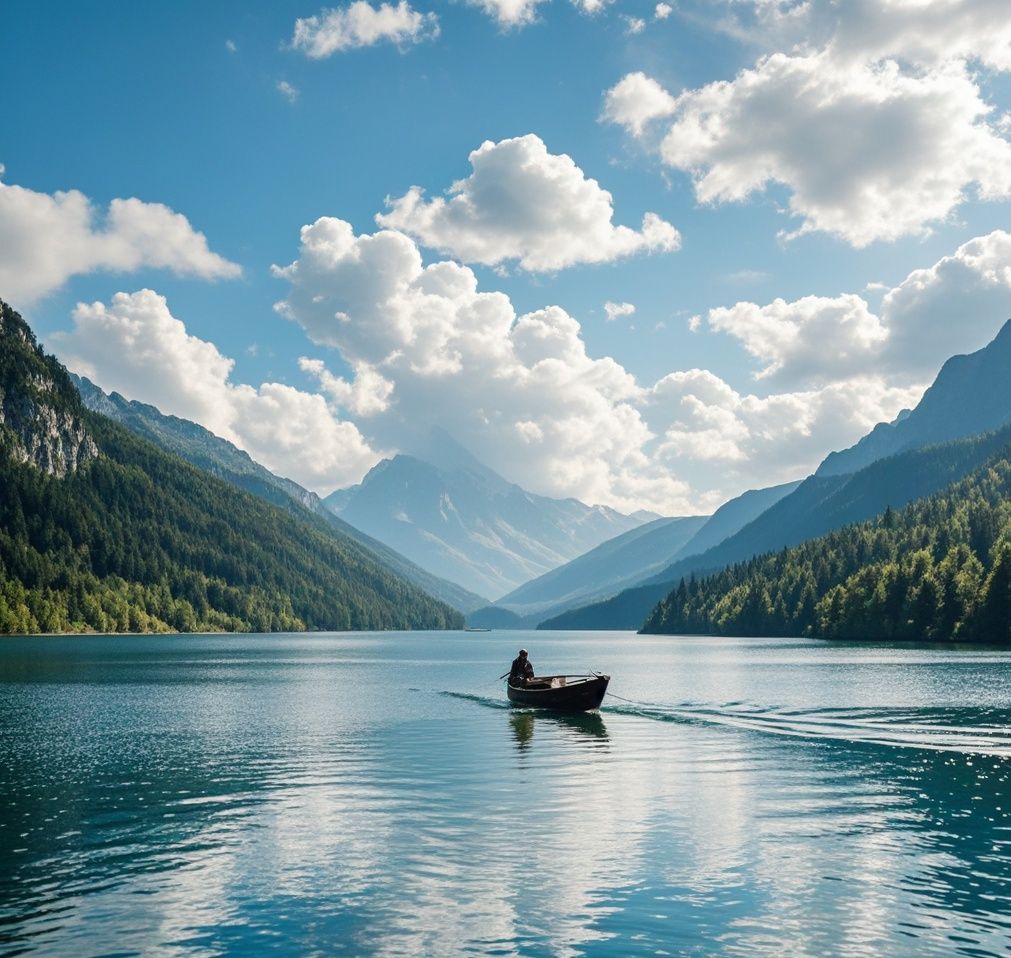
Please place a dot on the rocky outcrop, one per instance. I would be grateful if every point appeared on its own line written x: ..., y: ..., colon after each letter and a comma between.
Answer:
x: 41, y: 417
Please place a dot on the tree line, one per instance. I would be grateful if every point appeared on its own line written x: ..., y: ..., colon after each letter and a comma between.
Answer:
x: 939, y: 569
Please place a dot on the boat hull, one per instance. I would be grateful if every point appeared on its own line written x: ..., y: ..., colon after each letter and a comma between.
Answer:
x: 579, y: 696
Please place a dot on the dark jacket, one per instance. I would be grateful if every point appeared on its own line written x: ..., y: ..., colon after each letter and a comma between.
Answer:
x: 521, y: 669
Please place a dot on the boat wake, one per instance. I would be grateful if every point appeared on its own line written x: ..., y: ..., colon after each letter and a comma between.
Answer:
x: 485, y: 700
x: 970, y: 731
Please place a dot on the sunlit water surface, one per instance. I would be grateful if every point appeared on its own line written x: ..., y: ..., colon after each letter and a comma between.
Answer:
x: 373, y: 795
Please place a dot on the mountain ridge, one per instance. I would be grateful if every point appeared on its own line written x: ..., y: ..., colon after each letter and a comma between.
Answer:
x: 221, y: 458
x: 969, y: 395
x: 464, y: 522
x: 136, y: 539
x: 725, y: 522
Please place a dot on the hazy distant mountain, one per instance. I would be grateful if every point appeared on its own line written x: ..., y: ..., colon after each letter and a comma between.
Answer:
x: 626, y: 599
x: 219, y: 457
x: 819, y: 505
x: 733, y: 516
x: 458, y: 519
x: 971, y: 394
x: 604, y: 570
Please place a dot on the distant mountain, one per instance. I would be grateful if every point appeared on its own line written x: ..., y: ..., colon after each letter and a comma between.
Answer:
x: 626, y: 595
x: 733, y: 516
x: 971, y: 394
x: 103, y: 531
x: 221, y: 458
x: 462, y: 521
x: 604, y: 570
x: 939, y: 569
x: 817, y: 506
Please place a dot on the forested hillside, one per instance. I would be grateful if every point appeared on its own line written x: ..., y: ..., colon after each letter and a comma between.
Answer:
x: 817, y: 506
x: 220, y: 458
x: 939, y: 569
x: 130, y: 538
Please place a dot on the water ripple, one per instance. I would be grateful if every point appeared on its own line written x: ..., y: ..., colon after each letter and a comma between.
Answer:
x: 220, y: 803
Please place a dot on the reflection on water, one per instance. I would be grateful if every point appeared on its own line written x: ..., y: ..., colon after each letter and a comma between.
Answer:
x: 290, y: 795
x: 588, y: 726
x: 523, y: 728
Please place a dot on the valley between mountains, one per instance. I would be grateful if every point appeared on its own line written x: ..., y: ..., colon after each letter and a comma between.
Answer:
x: 120, y: 518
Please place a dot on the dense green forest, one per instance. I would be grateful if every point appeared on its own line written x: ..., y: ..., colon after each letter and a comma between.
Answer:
x: 940, y: 569
x: 139, y: 540
x: 217, y: 456
x: 816, y: 507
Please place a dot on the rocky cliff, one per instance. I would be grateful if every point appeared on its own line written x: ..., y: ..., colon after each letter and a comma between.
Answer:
x: 41, y: 420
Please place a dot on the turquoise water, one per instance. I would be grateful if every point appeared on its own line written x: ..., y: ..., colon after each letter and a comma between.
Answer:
x: 372, y: 795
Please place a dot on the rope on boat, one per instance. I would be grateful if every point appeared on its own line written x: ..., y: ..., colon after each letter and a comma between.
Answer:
x: 620, y: 699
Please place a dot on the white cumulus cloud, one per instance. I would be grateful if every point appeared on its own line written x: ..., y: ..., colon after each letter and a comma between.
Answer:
x: 509, y: 14
x: 815, y: 339
x: 876, y: 120
x: 635, y: 101
x: 955, y: 306
x: 868, y: 152
x: 45, y: 239
x: 430, y: 348
x: 523, y: 203
x: 135, y: 346
x: 616, y: 310
x: 918, y: 32
x: 359, y: 24
x: 746, y: 440
x: 519, y: 390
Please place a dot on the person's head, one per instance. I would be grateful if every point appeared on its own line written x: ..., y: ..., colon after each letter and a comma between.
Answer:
x: 523, y: 653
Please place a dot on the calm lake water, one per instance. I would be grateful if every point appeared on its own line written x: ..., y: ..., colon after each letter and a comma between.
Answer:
x: 372, y: 795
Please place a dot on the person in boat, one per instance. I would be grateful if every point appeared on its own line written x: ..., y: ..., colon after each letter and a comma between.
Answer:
x: 522, y: 671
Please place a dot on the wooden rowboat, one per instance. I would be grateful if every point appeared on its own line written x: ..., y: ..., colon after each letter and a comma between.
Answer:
x: 565, y: 693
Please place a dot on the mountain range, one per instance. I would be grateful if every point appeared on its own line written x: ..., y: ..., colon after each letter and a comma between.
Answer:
x: 939, y: 569
x: 221, y: 458
x: 101, y: 530
x: 887, y: 468
x: 623, y: 561
x: 426, y: 535
x: 444, y: 510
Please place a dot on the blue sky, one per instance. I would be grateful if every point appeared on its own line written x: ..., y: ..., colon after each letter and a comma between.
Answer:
x: 211, y: 111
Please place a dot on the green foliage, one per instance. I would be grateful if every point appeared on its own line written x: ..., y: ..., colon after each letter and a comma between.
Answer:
x: 24, y: 367
x: 940, y: 569
x: 138, y: 540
